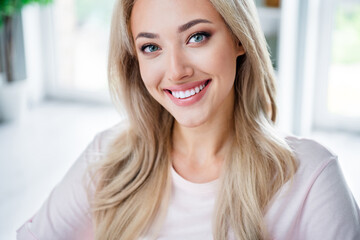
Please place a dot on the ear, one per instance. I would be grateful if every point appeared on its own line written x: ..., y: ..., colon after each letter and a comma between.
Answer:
x: 240, y: 49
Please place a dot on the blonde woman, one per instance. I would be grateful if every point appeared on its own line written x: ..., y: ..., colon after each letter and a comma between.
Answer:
x: 198, y: 156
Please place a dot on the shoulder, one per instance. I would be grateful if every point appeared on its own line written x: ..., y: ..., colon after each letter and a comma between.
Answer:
x: 318, y: 201
x: 308, y: 147
x: 66, y: 214
x: 85, y: 167
x: 102, y: 141
x: 310, y: 155
x: 315, y: 162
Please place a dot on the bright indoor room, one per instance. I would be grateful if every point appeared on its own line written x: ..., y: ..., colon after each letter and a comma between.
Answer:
x: 54, y: 95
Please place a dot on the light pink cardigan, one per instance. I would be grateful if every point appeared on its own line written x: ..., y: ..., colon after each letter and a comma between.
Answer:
x: 318, y: 205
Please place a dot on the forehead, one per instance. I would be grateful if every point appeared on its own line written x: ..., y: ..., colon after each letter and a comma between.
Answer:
x: 158, y: 15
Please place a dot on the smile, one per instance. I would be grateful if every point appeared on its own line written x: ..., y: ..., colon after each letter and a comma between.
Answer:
x: 189, y: 93
x: 187, y: 90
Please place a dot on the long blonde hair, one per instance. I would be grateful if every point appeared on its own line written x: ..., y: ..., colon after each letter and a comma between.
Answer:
x: 133, y: 183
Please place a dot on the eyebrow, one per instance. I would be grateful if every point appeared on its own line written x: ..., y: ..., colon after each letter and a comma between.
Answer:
x: 192, y: 23
x: 182, y: 28
x: 147, y: 35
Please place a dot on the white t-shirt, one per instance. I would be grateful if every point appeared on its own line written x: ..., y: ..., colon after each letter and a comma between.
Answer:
x: 318, y: 204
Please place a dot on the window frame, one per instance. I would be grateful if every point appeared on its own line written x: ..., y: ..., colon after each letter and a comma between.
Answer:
x: 323, y: 118
x: 52, y: 88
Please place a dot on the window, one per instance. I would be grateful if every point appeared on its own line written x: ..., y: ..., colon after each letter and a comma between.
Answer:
x: 339, y: 87
x: 81, y: 34
x: 344, y: 71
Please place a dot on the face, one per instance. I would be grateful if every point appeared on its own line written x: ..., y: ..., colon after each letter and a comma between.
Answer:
x: 187, y: 58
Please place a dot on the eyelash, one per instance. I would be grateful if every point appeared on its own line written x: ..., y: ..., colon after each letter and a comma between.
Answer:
x: 205, y: 34
x: 147, y: 45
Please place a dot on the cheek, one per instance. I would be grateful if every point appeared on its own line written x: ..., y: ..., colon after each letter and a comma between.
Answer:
x: 151, y: 74
x: 218, y: 60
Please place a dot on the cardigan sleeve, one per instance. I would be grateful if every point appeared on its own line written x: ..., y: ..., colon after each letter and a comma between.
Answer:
x: 317, y: 203
x: 66, y: 213
x: 330, y: 211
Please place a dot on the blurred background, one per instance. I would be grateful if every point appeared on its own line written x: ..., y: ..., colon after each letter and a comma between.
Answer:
x: 54, y: 96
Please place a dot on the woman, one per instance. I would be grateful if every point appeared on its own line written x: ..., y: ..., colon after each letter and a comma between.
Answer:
x: 199, y: 157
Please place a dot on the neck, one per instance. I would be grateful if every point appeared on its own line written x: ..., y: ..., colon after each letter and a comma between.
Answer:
x: 207, y: 142
x: 202, y: 141
x: 198, y: 153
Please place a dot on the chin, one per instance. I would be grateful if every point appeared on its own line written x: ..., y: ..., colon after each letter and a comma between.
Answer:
x: 190, y: 122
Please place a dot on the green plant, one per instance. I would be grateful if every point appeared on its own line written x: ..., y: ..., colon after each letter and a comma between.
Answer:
x: 346, y: 35
x: 10, y: 7
x: 9, y: 26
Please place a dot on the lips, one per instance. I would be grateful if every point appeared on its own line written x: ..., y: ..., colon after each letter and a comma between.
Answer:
x: 189, y: 93
x: 187, y: 90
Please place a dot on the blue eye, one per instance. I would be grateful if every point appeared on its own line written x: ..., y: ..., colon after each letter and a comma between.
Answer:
x: 149, y: 48
x: 199, y: 37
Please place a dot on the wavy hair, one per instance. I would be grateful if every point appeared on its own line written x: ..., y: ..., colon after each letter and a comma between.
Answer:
x: 133, y: 181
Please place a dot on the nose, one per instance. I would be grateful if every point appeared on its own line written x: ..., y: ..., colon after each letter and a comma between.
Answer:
x: 178, y: 66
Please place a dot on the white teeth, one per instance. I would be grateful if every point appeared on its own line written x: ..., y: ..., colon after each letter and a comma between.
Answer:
x: 188, y: 93
x: 182, y: 94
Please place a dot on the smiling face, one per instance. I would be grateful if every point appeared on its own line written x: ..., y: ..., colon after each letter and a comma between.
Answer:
x: 187, y: 58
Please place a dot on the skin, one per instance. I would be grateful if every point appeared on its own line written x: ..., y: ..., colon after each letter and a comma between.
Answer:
x: 170, y: 54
